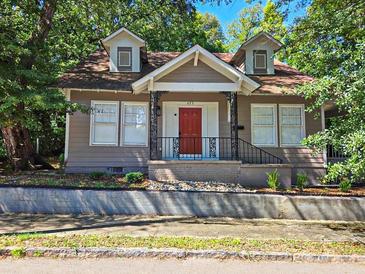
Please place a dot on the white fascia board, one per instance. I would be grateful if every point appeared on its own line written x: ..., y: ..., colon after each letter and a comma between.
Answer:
x: 196, y: 87
x: 111, y: 36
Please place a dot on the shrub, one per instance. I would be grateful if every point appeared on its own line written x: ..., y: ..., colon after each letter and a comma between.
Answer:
x: 96, y: 175
x: 18, y: 252
x: 134, y: 177
x: 345, y: 184
x: 302, y: 181
x: 273, y: 179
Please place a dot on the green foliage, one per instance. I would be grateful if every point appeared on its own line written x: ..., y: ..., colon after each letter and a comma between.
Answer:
x: 273, y: 179
x: 42, y: 39
x: 134, y: 177
x: 345, y: 185
x: 18, y: 252
x: 302, y: 181
x: 96, y: 175
x: 2, y: 149
x: 254, y: 19
x: 329, y: 43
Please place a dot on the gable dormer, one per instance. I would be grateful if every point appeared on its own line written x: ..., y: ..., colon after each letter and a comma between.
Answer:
x: 124, y: 49
x: 256, y: 55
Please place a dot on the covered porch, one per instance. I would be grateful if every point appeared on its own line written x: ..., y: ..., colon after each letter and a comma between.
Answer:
x: 204, y: 128
x: 193, y: 111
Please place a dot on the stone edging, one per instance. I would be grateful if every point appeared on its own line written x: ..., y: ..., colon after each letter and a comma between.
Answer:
x: 181, y: 254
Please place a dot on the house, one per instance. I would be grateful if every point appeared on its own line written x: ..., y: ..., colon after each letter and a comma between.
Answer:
x: 193, y: 115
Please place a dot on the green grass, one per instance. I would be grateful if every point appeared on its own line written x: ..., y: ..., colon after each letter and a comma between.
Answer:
x: 187, y: 243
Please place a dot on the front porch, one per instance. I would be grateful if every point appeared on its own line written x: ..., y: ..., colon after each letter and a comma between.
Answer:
x: 201, y: 129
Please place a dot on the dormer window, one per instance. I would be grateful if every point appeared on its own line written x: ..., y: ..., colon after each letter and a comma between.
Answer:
x: 260, y: 61
x: 124, y: 58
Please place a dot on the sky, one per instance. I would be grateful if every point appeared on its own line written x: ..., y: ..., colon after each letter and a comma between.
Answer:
x: 226, y: 13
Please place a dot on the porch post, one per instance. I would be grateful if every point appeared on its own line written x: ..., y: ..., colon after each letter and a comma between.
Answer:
x: 234, y: 124
x: 154, y: 97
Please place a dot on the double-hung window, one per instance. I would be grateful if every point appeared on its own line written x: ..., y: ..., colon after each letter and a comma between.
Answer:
x: 134, y: 124
x: 104, y: 123
x: 263, y: 121
x: 292, y: 129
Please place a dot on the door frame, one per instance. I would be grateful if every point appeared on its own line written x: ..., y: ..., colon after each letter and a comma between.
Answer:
x: 210, y: 118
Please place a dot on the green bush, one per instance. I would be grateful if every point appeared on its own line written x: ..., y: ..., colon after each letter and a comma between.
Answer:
x: 345, y: 184
x: 96, y: 175
x: 18, y: 252
x: 302, y: 181
x: 273, y: 179
x: 134, y: 177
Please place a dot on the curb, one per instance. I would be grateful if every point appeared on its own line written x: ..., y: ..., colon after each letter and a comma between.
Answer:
x: 179, y: 254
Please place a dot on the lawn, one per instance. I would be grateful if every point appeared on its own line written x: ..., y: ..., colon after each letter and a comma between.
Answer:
x: 187, y: 243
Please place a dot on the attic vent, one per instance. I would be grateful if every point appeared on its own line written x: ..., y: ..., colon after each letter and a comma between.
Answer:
x: 116, y: 170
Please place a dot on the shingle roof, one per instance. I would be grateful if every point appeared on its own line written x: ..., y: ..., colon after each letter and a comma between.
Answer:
x: 93, y: 73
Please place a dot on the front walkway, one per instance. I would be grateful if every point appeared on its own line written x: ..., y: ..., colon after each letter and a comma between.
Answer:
x: 184, y: 226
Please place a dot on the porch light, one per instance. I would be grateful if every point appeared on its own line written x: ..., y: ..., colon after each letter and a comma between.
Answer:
x: 158, y: 111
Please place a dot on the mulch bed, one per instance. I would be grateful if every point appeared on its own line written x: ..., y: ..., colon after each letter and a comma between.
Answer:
x: 118, y: 182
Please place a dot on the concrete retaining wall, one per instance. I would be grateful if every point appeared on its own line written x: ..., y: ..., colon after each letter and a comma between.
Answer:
x: 218, y: 171
x: 64, y: 201
x: 204, y: 171
x: 255, y: 175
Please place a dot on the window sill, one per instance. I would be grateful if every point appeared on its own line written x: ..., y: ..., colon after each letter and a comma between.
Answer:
x: 103, y: 145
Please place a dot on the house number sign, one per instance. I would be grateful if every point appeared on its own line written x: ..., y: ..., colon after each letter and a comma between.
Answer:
x: 190, y: 103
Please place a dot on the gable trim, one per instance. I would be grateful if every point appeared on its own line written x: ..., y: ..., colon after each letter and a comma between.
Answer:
x: 111, y: 36
x: 208, y: 58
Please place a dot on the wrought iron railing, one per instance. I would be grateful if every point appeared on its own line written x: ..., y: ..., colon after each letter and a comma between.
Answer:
x: 212, y: 148
x: 335, y: 155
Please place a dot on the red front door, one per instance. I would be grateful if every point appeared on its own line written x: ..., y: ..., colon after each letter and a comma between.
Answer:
x: 190, y: 130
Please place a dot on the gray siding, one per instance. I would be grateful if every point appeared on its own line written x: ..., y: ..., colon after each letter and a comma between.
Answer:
x: 202, y: 73
x: 82, y: 156
x: 298, y: 156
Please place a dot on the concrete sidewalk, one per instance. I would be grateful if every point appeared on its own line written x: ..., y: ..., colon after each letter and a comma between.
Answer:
x: 150, y: 266
x: 183, y: 226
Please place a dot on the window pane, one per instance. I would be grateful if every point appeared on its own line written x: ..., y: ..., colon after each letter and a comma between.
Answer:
x: 124, y: 58
x: 260, y: 111
x: 105, y: 134
x: 291, y: 119
x: 135, y: 135
x: 105, y: 113
x: 291, y: 135
x: 263, y: 125
x: 135, y: 125
x: 264, y: 120
x: 264, y: 135
x: 135, y: 114
x: 287, y: 120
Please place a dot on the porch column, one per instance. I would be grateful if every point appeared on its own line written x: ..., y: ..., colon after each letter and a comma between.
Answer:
x: 234, y: 124
x: 154, y: 97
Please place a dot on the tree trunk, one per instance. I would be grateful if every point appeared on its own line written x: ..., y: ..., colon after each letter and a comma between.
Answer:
x: 20, y: 150
x: 18, y: 147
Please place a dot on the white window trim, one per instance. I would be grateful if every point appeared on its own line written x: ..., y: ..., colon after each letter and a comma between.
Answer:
x: 129, y: 58
x: 302, y: 127
x: 91, y: 142
x: 136, y: 103
x: 274, y: 106
x: 265, y: 66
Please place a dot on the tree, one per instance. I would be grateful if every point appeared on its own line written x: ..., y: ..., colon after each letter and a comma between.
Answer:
x: 46, y: 37
x: 207, y: 32
x: 254, y: 19
x: 329, y: 43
